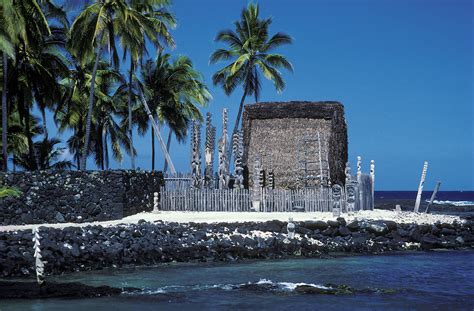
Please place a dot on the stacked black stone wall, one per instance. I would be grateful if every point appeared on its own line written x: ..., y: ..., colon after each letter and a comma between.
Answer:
x: 76, y: 196
x: 95, y: 247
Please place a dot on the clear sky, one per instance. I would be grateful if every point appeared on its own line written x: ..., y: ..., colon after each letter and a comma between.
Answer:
x: 402, y: 68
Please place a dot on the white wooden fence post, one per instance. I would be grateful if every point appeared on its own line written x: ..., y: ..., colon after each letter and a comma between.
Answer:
x: 372, y: 177
x: 420, y: 187
x: 433, y: 196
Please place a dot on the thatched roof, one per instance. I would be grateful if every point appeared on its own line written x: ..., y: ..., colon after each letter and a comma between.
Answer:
x: 293, y: 109
x: 327, y: 110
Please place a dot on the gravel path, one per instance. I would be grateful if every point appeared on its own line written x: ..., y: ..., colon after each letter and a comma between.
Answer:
x: 216, y: 217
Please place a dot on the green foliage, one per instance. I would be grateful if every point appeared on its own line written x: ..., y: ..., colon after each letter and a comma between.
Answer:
x: 250, y: 54
x: 9, y: 192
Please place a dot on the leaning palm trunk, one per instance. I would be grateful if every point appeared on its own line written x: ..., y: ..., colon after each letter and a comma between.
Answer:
x: 85, y: 148
x: 237, y: 123
x: 4, y: 113
x: 152, y: 150
x: 158, y: 135
x: 168, y: 144
x: 130, y: 128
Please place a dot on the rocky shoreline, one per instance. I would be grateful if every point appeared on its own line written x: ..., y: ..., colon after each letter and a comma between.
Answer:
x: 145, y: 243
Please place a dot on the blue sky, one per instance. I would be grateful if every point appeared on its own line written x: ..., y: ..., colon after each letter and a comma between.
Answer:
x: 402, y: 69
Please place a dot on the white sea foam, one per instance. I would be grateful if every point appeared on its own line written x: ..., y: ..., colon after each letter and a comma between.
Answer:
x: 274, y: 286
x: 455, y: 203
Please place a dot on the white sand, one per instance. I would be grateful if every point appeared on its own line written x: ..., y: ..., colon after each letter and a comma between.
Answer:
x: 213, y: 217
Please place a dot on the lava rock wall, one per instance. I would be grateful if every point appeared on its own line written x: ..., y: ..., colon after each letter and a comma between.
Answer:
x: 96, y: 247
x: 77, y: 196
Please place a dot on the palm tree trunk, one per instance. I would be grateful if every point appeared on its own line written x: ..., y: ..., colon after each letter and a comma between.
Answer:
x: 85, y: 148
x: 4, y: 114
x: 237, y: 123
x: 45, y: 129
x: 168, y: 144
x: 106, y: 151
x: 31, y: 147
x: 130, y: 125
x: 100, y: 147
x: 152, y: 151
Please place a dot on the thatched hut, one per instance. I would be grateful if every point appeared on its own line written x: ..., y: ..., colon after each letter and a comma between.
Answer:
x: 283, y: 137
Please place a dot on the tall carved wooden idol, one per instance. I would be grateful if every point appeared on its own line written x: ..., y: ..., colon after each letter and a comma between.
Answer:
x: 39, y: 264
x: 209, y: 152
x: 336, y: 200
x: 238, y: 150
x: 196, y: 156
x: 223, y: 169
x: 359, y: 183
x: 256, y: 185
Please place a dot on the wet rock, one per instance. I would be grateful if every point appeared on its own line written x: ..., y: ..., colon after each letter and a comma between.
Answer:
x: 333, y: 224
x: 31, y: 290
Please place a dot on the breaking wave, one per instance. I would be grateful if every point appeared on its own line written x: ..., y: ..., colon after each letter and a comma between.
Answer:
x: 455, y: 203
x: 261, y: 285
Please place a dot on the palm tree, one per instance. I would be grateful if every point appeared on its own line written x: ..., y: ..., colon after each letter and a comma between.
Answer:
x: 97, y: 26
x: 22, y: 24
x: 135, y: 44
x: 72, y: 113
x: 17, y: 141
x: 48, y: 155
x: 173, y: 90
x: 249, y: 51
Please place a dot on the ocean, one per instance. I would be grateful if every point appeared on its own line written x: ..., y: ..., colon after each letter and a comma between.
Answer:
x: 442, y: 280
x: 454, y: 198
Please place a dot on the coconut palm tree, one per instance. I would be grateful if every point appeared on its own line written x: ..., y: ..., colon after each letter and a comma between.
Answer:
x: 49, y: 156
x: 22, y: 25
x: 249, y: 52
x: 96, y: 27
x: 173, y: 90
x: 135, y: 44
x: 71, y: 113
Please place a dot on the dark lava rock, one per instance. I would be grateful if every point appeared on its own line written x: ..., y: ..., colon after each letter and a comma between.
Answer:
x: 315, y: 225
x: 341, y: 221
x: 353, y: 226
x: 377, y: 227
x: 59, y: 217
x: 344, y: 231
x: 429, y: 241
x: 274, y: 226
x: 391, y: 225
x: 448, y: 231
x: 31, y: 290
x: 333, y: 223
x: 303, y: 230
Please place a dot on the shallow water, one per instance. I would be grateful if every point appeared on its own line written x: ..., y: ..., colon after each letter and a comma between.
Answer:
x: 431, y: 281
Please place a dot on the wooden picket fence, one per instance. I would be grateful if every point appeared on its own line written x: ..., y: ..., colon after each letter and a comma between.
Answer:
x: 178, y: 181
x: 307, y: 200
x: 205, y: 200
x: 239, y: 200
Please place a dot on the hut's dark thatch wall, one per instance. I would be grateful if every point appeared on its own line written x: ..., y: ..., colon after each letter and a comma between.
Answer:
x: 274, y: 132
